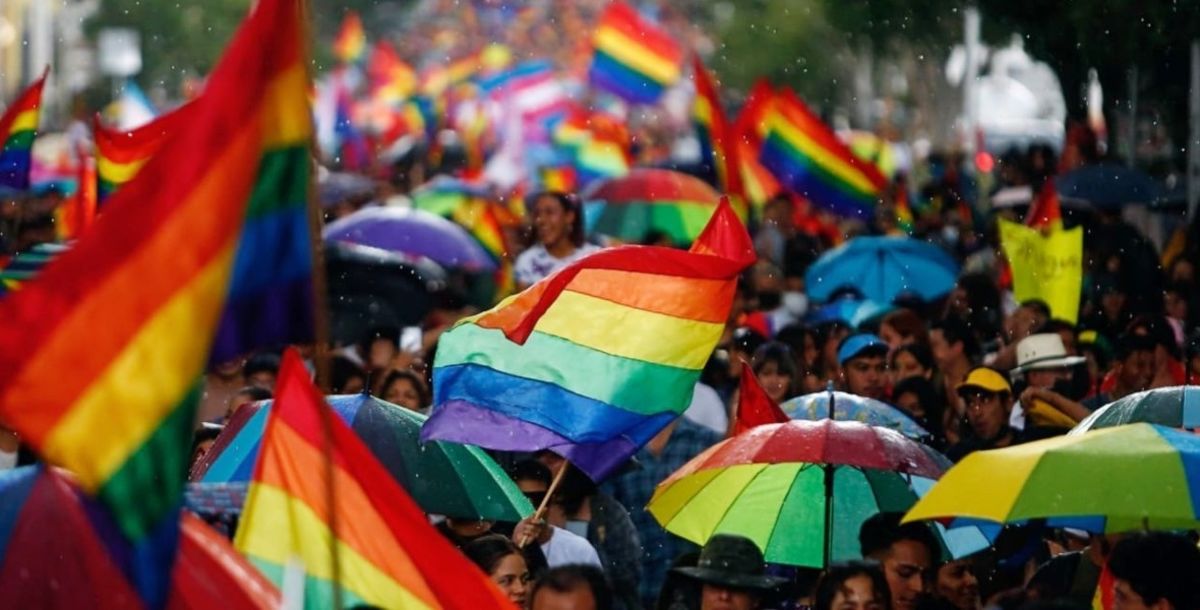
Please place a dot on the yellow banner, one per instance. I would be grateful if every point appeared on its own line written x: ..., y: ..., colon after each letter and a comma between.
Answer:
x: 1045, y: 266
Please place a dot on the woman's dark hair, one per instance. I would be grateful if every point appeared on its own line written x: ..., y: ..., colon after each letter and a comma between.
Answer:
x: 413, y: 378
x: 837, y: 575
x: 488, y: 551
x: 928, y: 397
x: 919, y: 351
x: 785, y: 362
x: 568, y: 203
x: 908, y: 324
x: 391, y: 334
x: 342, y: 371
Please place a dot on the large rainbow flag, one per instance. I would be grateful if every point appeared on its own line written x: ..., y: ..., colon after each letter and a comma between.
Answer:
x: 633, y: 58
x: 749, y: 129
x: 18, y: 127
x: 808, y: 158
x: 594, y: 360
x: 717, y: 148
x: 350, y: 44
x: 372, y: 542
x: 121, y: 154
x: 103, y: 352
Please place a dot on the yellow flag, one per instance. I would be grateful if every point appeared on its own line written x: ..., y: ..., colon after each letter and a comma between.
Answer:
x: 1045, y: 266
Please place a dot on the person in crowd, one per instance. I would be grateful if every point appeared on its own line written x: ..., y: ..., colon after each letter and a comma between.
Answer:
x: 1168, y: 369
x: 561, y: 547
x: 378, y: 351
x: 903, y: 327
x: 955, y: 350
x: 1132, y: 370
x: 247, y: 395
x: 261, y: 369
x: 989, y: 401
x: 202, y: 440
x: 504, y: 563
x: 956, y: 583
x: 1073, y: 576
x: 803, y: 342
x: 571, y: 587
x: 1155, y: 571
x: 775, y: 366
x: 731, y: 574
x: 1046, y: 401
x: 407, y: 389
x: 853, y: 585
x: 670, y: 449
x: 917, y: 397
x: 1110, y: 313
x: 221, y: 382
x: 907, y: 554
x: 558, y: 232
x: 1026, y: 320
x: 862, y: 359
x: 346, y: 377
x: 829, y: 337
x: 911, y: 360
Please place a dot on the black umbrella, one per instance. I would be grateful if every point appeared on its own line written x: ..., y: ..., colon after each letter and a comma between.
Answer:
x: 1108, y: 186
x: 369, y: 287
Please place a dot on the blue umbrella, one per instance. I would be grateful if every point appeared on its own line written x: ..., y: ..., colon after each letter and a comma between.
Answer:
x: 882, y: 268
x: 852, y: 407
x: 1108, y: 186
x: 853, y: 312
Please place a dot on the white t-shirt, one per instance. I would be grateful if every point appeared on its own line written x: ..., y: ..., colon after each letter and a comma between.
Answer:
x: 536, y: 263
x: 565, y: 548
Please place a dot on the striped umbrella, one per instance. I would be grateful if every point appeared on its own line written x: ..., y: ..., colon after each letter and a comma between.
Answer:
x: 646, y: 200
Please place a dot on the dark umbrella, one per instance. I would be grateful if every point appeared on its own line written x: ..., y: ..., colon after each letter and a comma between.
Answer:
x: 369, y: 288
x: 1107, y: 186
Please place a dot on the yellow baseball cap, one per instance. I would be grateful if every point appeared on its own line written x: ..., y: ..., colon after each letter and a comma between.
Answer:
x: 986, y: 379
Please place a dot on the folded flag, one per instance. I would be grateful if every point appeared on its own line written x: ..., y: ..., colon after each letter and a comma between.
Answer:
x: 754, y: 407
x: 206, y: 249
x: 350, y: 45
x: 809, y: 159
x: 594, y: 360
x: 18, y: 127
x: 318, y: 495
x: 121, y: 154
x: 717, y: 150
x: 633, y: 58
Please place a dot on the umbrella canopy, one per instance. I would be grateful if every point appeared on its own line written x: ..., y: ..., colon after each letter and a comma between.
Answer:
x: 852, y: 407
x: 54, y: 553
x: 853, y: 312
x: 1108, y: 186
x: 882, y: 268
x: 647, y: 200
x: 444, y: 478
x: 412, y: 233
x: 1175, y: 407
x: 369, y: 288
x: 339, y: 187
x: 801, y: 490
x: 1133, y: 477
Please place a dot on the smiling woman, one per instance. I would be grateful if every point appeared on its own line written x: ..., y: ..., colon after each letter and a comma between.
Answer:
x: 503, y: 563
x: 558, y: 228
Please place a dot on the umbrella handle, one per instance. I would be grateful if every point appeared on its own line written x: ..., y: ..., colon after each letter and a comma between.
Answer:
x: 541, y: 509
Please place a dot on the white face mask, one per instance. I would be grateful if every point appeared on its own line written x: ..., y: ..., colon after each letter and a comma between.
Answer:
x: 796, y: 303
x: 579, y: 528
x: 8, y: 461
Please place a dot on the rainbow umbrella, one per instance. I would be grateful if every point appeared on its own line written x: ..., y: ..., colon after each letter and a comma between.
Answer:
x: 444, y: 478
x: 801, y: 490
x: 646, y: 200
x: 1133, y: 477
x: 57, y: 551
x: 1176, y: 407
x: 852, y: 407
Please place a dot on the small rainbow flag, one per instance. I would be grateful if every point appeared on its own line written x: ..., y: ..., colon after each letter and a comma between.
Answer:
x: 18, y: 127
x: 716, y: 138
x: 350, y: 45
x: 750, y: 128
x: 596, y: 144
x: 437, y: 79
x: 372, y: 543
x: 633, y: 59
x: 205, y: 253
x: 121, y: 154
x: 530, y: 375
x: 810, y: 159
x: 391, y: 80
x: 904, y: 213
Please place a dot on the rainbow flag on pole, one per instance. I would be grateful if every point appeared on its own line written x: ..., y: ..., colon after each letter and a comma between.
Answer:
x: 104, y: 351
x: 121, y: 154
x: 810, y: 159
x: 594, y: 360
x: 749, y: 129
x: 18, y: 127
x: 350, y: 45
x: 372, y: 543
x: 633, y: 59
x: 717, y: 148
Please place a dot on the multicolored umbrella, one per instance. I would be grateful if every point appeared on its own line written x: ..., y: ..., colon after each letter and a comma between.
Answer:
x: 1175, y: 407
x: 801, y: 490
x: 55, y: 552
x: 444, y: 194
x: 444, y: 478
x: 852, y: 407
x: 883, y: 268
x: 413, y: 233
x: 1133, y: 477
x: 646, y: 200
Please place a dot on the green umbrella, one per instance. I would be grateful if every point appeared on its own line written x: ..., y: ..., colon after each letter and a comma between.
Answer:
x: 444, y: 478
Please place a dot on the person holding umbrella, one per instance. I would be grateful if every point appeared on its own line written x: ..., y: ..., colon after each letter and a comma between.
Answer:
x: 731, y: 573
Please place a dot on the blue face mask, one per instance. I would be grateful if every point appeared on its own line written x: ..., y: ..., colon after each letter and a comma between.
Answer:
x: 579, y: 528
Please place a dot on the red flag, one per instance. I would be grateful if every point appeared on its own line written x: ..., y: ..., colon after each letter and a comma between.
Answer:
x: 1045, y: 212
x: 754, y: 407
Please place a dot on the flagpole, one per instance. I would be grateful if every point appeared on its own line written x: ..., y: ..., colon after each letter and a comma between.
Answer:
x: 321, y: 335
x: 540, y: 513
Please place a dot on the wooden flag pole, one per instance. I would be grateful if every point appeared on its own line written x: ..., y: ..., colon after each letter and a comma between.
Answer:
x: 540, y: 513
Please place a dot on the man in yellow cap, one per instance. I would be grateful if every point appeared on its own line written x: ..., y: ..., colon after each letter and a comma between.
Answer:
x: 988, y: 401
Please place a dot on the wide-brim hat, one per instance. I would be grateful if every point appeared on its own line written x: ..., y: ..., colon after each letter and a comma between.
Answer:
x: 734, y: 562
x: 1043, y: 351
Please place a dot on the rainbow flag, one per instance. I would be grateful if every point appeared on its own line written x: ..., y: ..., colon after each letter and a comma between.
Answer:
x: 204, y: 254
x: 350, y: 45
x: 18, y: 127
x: 749, y: 129
x: 75, y: 216
x: 904, y: 213
x: 717, y: 148
x: 558, y: 178
x: 594, y: 360
x: 437, y: 79
x: 633, y: 59
x: 810, y: 159
x: 371, y: 542
x: 121, y: 154
x: 391, y: 80
x: 595, y: 143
